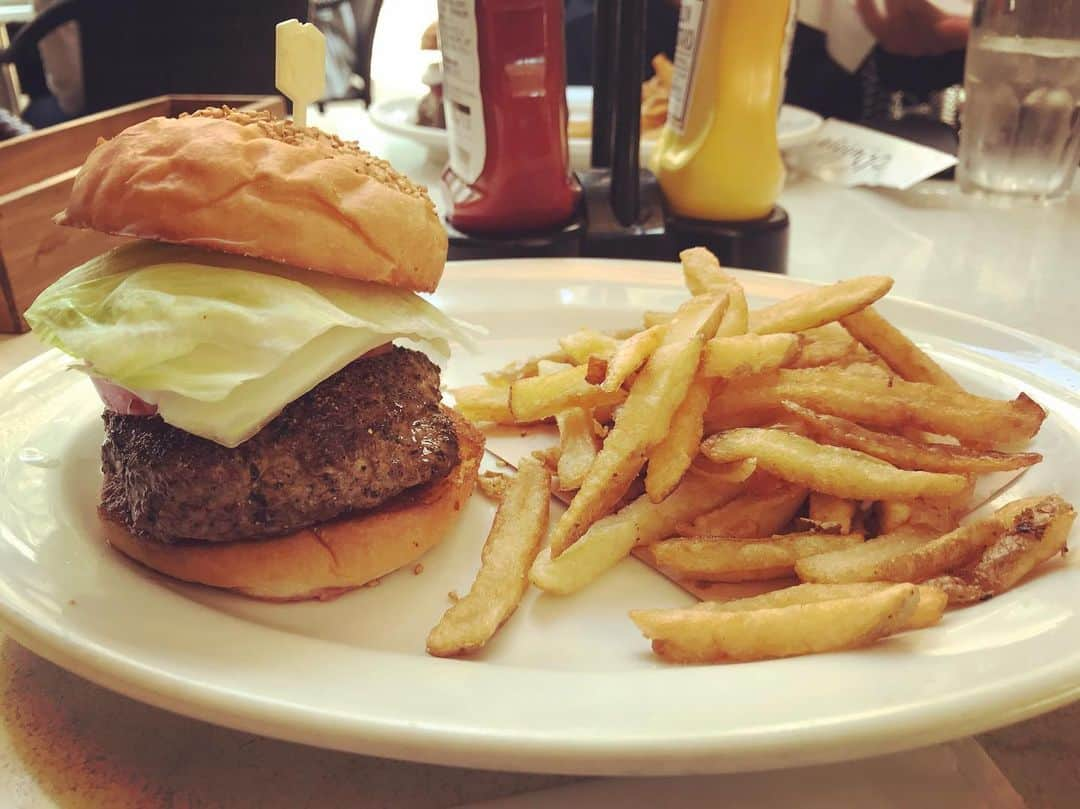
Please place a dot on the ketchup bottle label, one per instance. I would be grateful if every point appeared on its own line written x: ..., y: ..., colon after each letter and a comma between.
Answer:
x: 691, y: 14
x: 461, y: 88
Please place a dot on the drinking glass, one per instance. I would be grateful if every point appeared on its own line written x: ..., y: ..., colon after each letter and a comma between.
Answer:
x: 1020, y: 130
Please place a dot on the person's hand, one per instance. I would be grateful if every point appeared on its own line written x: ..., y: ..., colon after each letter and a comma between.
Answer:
x: 914, y: 27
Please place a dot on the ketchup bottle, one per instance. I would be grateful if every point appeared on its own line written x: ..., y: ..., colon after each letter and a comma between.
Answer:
x: 504, y: 67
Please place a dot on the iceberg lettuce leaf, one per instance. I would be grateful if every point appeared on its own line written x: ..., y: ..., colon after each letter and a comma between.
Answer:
x: 221, y: 343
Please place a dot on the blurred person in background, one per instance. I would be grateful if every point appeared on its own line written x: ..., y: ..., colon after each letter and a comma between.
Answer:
x: 661, y: 23
x: 850, y: 56
x: 61, y: 57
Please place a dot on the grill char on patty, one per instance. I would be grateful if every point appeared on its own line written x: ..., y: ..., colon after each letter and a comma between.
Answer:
x: 366, y: 434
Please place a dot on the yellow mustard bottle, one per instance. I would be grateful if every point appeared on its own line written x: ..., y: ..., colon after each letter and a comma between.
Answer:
x: 718, y: 157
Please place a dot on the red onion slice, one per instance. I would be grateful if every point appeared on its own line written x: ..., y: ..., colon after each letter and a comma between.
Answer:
x: 121, y: 400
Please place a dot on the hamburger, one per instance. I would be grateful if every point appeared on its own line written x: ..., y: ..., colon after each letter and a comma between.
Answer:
x: 265, y: 429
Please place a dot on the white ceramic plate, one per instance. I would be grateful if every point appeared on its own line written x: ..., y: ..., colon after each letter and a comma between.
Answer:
x: 569, y: 684
x: 397, y: 116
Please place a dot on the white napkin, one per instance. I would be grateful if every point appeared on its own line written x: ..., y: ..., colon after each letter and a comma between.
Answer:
x: 851, y: 155
x: 959, y: 775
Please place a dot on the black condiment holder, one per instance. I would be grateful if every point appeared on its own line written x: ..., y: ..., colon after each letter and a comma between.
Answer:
x: 623, y: 213
x: 564, y: 242
x: 624, y: 206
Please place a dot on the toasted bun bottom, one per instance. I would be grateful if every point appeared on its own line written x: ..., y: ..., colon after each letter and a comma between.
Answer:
x: 327, y: 560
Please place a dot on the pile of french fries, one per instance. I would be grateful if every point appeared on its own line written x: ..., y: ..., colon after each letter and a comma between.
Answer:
x: 655, y: 92
x: 808, y: 448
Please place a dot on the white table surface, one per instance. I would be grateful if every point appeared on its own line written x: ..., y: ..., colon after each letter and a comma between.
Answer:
x: 64, y: 742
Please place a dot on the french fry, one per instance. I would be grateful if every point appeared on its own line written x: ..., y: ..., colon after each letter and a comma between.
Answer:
x: 734, y: 472
x: 831, y: 344
x: 653, y: 112
x: 577, y: 128
x: 540, y: 397
x: 610, y: 540
x: 1036, y: 535
x: 866, y: 365
x: 704, y: 636
x: 655, y: 318
x: 936, y: 514
x: 549, y: 367
x: 899, y: 353
x: 1033, y: 539
x: 493, y: 484
x: 891, y: 514
x: 833, y: 470
x: 548, y: 456
x: 746, y: 354
x: 644, y: 418
x: 737, y: 317
x: 629, y: 356
x: 664, y: 69
x: 861, y: 563
x: 578, y: 446
x: 669, y: 460
x: 830, y: 332
x: 825, y: 509
x: 702, y: 272
x: 595, y: 370
x: 944, y: 554
x: 825, y: 352
x: 905, y: 453
x: 604, y: 417
x: 877, y: 401
x: 817, y: 307
x: 520, y: 524
x: 578, y: 443
x: 717, y: 559
x: 656, y: 392
x: 761, y: 511
x: 931, y: 606
x: 519, y: 370
x: 958, y: 593
x: 586, y: 343
x: 941, y: 514
x: 482, y: 403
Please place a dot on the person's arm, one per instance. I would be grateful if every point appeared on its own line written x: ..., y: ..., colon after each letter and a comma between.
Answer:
x: 914, y: 27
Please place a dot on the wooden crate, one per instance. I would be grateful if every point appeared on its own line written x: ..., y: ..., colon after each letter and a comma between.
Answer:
x: 36, y: 174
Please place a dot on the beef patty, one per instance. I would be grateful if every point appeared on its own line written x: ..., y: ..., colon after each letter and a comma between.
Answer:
x: 369, y: 432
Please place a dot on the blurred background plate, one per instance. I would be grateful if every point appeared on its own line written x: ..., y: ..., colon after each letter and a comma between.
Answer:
x: 397, y: 116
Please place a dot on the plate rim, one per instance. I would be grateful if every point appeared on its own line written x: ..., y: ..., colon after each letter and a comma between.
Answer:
x: 1027, y: 696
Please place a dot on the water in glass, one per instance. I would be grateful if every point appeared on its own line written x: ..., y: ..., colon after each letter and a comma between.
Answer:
x: 1021, y: 121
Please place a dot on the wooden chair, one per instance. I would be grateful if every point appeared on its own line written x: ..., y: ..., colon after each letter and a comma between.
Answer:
x: 135, y: 49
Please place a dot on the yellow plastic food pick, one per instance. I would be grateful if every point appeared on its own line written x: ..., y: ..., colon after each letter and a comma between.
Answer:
x: 300, y: 68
